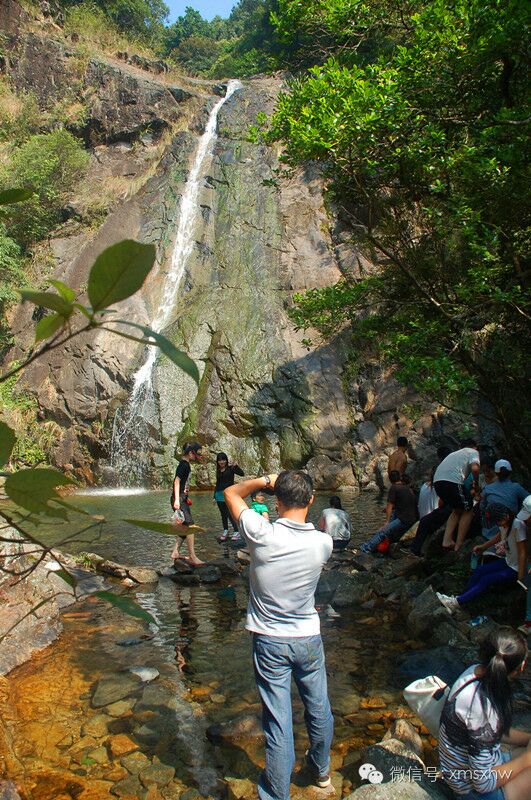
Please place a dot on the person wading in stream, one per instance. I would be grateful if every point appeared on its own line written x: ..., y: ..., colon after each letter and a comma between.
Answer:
x: 287, y: 557
x: 179, y: 499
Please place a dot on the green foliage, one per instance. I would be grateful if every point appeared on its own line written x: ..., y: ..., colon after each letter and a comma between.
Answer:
x: 50, y: 164
x: 241, y: 45
x: 425, y: 148
x: 7, y: 442
x: 12, y: 277
x: 142, y: 19
x: 33, y: 489
x: 126, y: 605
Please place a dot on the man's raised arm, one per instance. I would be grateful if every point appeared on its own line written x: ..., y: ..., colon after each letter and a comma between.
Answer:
x: 234, y: 494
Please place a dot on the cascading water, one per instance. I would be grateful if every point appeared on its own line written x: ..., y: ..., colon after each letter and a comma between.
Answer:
x: 136, y: 421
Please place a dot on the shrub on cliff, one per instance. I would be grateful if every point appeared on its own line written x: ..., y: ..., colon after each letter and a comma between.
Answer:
x: 50, y: 164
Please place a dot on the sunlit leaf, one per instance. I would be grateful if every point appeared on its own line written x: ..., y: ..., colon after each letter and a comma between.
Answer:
x: 47, y: 326
x: 67, y: 577
x: 180, y: 359
x: 167, y: 528
x: 33, y: 489
x: 10, y: 196
x: 125, y: 604
x: 7, y: 442
x: 119, y: 272
x: 65, y: 291
x: 48, y: 300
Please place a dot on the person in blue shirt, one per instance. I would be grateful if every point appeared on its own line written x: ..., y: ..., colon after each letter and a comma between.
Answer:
x: 503, y: 490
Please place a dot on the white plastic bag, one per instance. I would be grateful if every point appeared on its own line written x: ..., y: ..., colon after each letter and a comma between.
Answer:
x: 178, y: 517
x: 426, y: 697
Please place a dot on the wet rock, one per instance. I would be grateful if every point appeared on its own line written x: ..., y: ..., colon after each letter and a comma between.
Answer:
x: 142, y: 574
x: 225, y: 566
x: 389, y: 755
x: 96, y: 726
x: 426, y: 614
x: 353, y: 590
x: 99, y: 755
x: 166, y: 572
x: 186, y: 579
x: 209, y: 573
x: 156, y: 775
x: 240, y: 788
x: 8, y: 791
x: 398, y: 791
x: 114, y: 686
x: 146, y: 674
x: 346, y: 703
x: 120, y: 745
x: 128, y: 787
x: 134, y: 762
x: 445, y: 662
x: 245, y: 727
x: 147, y: 736
x: 112, y: 568
x: 404, y: 731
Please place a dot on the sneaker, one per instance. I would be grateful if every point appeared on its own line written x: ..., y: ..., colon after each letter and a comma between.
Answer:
x: 331, y: 613
x: 322, y: 781
x: 525, y: 628
x: 450, y: 603
x: 224, y: 536
x: 236, y: 537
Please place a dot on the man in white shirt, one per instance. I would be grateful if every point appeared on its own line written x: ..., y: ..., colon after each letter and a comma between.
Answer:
x: 287, y: 557
x: 448, y: 482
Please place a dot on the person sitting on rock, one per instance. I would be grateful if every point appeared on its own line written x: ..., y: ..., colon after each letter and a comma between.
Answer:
x: 505, y: 571
x: 336, y: 522
x: 477, y: 718
x: 524, y: 515
x: 503, y: 490
x: 398, y: 458
x: 400, y: 514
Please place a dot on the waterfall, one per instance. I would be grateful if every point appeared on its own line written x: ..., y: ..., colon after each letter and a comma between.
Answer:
x: 136, y: 421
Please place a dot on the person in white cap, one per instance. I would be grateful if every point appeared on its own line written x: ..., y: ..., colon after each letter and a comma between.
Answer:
x: 503, y: 490
x: 524, y: 515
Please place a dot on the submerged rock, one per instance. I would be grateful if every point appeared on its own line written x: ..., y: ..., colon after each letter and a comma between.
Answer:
x: 156, y: 775
x: 244, y: 727
x: 142, y: 574
x: 113, y: 687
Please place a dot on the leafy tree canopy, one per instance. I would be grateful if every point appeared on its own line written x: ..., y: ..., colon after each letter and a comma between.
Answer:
x: 425, y: 147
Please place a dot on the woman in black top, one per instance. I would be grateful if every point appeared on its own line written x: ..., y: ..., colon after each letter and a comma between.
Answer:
x: 225, y: 477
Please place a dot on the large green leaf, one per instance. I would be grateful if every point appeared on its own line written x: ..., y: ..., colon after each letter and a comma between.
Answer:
x: 67, y: 577
x: 10, y: 196
x: 182, y: 360
x: 125, y: 604
x: 49, y: 300
x: 47, y: 326
x: 119, y: 272
x: 167, y: 528
x: 33, y: 489
x: 64, y: 290
x: 7, y: 442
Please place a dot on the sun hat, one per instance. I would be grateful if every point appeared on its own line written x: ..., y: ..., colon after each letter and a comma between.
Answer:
x: 502, y: 463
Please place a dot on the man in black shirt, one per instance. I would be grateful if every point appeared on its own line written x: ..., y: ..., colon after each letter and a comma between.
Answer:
x: 179, y: 499
x: 400, y: 513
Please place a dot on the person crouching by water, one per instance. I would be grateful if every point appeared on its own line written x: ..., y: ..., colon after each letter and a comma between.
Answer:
x: 336, y: 523
x: 225, y: 473
x: 287, y: 557
x: 180, y: 502
x: 476, y: 720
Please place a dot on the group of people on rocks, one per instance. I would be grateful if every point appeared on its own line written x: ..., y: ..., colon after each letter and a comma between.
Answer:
x: 286, y: 559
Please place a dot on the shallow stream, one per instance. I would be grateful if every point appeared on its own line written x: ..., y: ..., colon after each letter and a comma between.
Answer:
x: 54, y: 743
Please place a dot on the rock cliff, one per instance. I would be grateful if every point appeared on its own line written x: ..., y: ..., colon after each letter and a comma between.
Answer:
x: 261, y: 235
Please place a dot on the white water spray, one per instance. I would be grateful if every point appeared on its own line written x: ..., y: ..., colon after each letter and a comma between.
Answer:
x: 141, y: 400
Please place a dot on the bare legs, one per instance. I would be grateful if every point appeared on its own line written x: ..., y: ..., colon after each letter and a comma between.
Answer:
x: 192, y: 557
x: 462, y: 519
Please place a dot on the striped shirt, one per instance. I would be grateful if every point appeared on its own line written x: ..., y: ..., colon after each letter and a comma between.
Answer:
x: 469, y: 738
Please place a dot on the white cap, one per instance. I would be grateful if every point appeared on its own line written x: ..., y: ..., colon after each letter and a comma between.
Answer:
x: 525, y: 511
x: 502, y: 463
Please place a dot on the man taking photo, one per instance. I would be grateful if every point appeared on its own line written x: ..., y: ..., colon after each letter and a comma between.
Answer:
x: 287, y: 557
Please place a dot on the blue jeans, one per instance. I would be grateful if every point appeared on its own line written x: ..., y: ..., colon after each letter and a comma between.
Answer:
x: 494, y: 573
x: 394, y: 530
x: 275, y: 661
